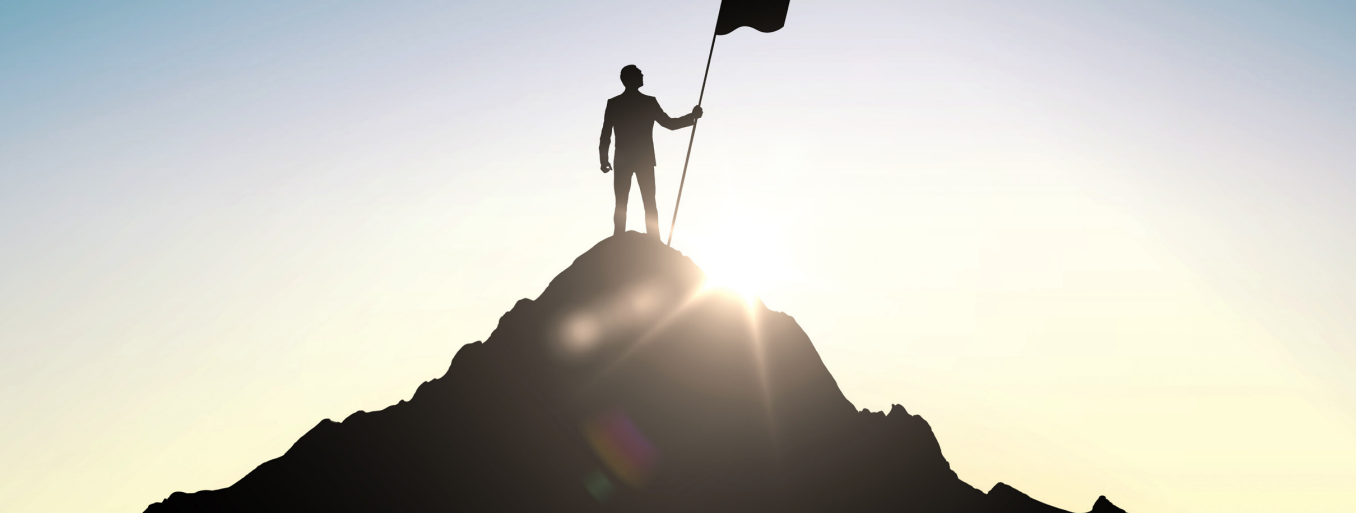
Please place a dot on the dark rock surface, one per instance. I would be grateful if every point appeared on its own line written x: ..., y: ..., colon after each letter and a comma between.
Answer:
x: 1105, y: 506
x: 625, y: 387
x: 1010, y: 500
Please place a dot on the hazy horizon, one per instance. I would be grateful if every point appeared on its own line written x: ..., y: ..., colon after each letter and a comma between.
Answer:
x: 1102, y: 249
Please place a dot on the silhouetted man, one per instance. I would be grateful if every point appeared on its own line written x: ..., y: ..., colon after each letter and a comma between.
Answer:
x: 633, y: 116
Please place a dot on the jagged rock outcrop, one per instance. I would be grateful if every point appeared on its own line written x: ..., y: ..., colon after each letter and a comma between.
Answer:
x: 625, y: 386
x: 1103, y: 505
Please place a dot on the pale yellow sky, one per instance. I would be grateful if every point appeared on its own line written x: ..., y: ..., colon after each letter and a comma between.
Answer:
x: 1102, y: 249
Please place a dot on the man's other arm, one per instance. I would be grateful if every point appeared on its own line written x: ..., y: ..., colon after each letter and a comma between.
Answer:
x: 605, y: 140
x: 675, y: 123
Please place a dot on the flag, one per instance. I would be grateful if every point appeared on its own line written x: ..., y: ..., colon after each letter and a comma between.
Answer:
x: 762, y: 15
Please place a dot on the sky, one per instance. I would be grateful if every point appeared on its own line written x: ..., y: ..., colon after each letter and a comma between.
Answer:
x: 1103, y: 248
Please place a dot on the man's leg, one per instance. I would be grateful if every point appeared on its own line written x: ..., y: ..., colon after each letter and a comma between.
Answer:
x: 621, y: 186
x: 645, y: 178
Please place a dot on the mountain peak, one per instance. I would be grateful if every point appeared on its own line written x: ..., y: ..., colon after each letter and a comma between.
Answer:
x: 626, y: 385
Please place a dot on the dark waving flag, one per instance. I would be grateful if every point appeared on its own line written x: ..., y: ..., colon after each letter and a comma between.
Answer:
x: 762, y: 15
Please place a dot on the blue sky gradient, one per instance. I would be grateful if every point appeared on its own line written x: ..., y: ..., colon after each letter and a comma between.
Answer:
x: 1104, y: 248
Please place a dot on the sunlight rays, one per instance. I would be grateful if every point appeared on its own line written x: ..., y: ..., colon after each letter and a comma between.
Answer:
x: 754, y: 310
x: 741, y: 253
x: 584, y: 332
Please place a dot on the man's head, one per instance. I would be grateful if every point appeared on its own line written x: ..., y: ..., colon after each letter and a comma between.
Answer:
x: 631, y: 77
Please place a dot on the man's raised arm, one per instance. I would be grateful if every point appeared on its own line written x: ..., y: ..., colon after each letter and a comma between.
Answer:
x: 675, y: 123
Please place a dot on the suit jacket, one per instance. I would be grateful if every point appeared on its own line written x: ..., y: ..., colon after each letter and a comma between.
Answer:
x: 633, y: 115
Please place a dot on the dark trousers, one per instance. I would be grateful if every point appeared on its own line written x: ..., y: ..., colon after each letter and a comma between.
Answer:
x: 621, y: 185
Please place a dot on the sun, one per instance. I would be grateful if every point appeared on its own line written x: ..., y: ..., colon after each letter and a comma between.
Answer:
x: 740, y: 256
x: 734, y: 275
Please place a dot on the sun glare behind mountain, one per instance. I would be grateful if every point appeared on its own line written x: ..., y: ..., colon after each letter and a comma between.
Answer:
x: 741, y: 256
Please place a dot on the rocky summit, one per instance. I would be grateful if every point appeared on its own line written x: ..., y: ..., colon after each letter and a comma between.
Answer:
x: 626, y: 386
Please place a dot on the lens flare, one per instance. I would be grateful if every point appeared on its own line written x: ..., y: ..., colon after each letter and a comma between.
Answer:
x: 621, y: 446
x: 581, y: 333
x: 599, y: 486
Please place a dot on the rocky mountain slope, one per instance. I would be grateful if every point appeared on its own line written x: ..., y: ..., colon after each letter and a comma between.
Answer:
x: 626, y: 386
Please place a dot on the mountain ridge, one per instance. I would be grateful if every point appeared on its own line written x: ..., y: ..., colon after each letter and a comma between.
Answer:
x: 625, y: 386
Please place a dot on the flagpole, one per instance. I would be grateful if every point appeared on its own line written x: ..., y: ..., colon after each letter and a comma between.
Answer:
x: 690, y: 138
